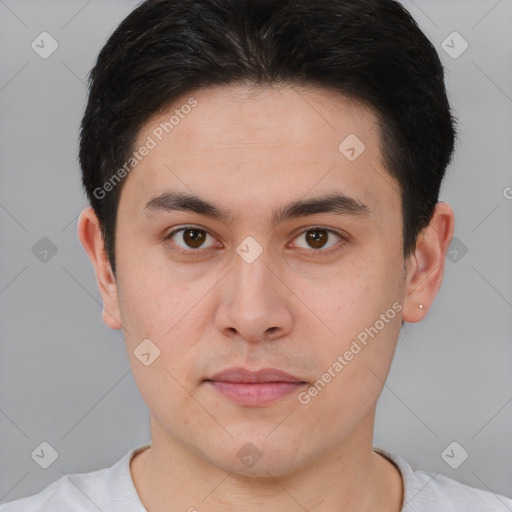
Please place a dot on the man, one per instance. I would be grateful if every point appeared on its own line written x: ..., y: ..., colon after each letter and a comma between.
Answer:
x: 264, y: 180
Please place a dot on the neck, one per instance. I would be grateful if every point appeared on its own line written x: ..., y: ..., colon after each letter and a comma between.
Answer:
x: 170, y: 478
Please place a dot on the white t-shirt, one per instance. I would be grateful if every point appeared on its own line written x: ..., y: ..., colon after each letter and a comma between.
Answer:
x: 112, y: 490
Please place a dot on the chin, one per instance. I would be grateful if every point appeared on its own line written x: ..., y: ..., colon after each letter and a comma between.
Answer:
x: 260, y: 457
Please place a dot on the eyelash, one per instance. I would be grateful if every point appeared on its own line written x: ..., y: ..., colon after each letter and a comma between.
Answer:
x: 307, y: 252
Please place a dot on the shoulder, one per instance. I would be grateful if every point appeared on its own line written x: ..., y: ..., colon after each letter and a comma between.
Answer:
x: 425, y: 491
x: 69, y: 491
x: 85, y: 492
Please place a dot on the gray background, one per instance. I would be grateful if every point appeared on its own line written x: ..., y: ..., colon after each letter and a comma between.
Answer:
x: 64, y: 376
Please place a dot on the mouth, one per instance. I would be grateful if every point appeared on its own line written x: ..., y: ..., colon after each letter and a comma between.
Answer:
x: 254, y: 388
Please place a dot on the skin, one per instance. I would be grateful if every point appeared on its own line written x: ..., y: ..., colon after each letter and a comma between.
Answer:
x: 251, y: 151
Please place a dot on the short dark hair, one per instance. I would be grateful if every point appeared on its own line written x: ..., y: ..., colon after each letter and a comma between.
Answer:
x: 371, y: 51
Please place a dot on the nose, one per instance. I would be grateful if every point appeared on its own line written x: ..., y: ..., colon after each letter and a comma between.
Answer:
x: 255, y: 301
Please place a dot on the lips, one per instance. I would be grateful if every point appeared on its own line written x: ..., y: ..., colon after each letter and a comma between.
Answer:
x: 265, y: 375
x: 254, y: 389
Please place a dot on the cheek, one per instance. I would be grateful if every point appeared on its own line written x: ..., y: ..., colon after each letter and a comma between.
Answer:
x: 352, y: 294
x: 166, y: 309
x: 153, y: 298
x: 360, y: 310
x: 165, y: 320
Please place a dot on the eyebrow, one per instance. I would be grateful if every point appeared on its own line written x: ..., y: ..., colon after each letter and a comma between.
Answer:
x: 338, y: 203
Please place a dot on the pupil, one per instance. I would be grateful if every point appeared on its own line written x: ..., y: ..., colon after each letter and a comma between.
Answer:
x: 316, y: 238
x: 194, y: 241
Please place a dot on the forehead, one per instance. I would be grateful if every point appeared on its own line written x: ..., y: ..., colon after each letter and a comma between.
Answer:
x: 275, y: 142
x: 266, y: 117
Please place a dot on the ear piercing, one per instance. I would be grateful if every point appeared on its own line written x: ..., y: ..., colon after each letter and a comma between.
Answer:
x: 420, y: 306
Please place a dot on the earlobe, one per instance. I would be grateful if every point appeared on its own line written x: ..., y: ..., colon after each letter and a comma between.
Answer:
x: 425, y: 268
x: 89, y: 234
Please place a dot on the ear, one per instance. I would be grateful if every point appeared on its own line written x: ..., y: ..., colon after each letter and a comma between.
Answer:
x: 425, y: 267
x: 89, y: 233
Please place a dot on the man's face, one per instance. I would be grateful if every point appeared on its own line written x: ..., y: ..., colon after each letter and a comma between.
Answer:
x: 320, y: 280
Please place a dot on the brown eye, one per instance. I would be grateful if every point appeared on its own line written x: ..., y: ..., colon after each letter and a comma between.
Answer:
x: 189, y: 238
x: 318, y: 238
x: 193, y: 237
